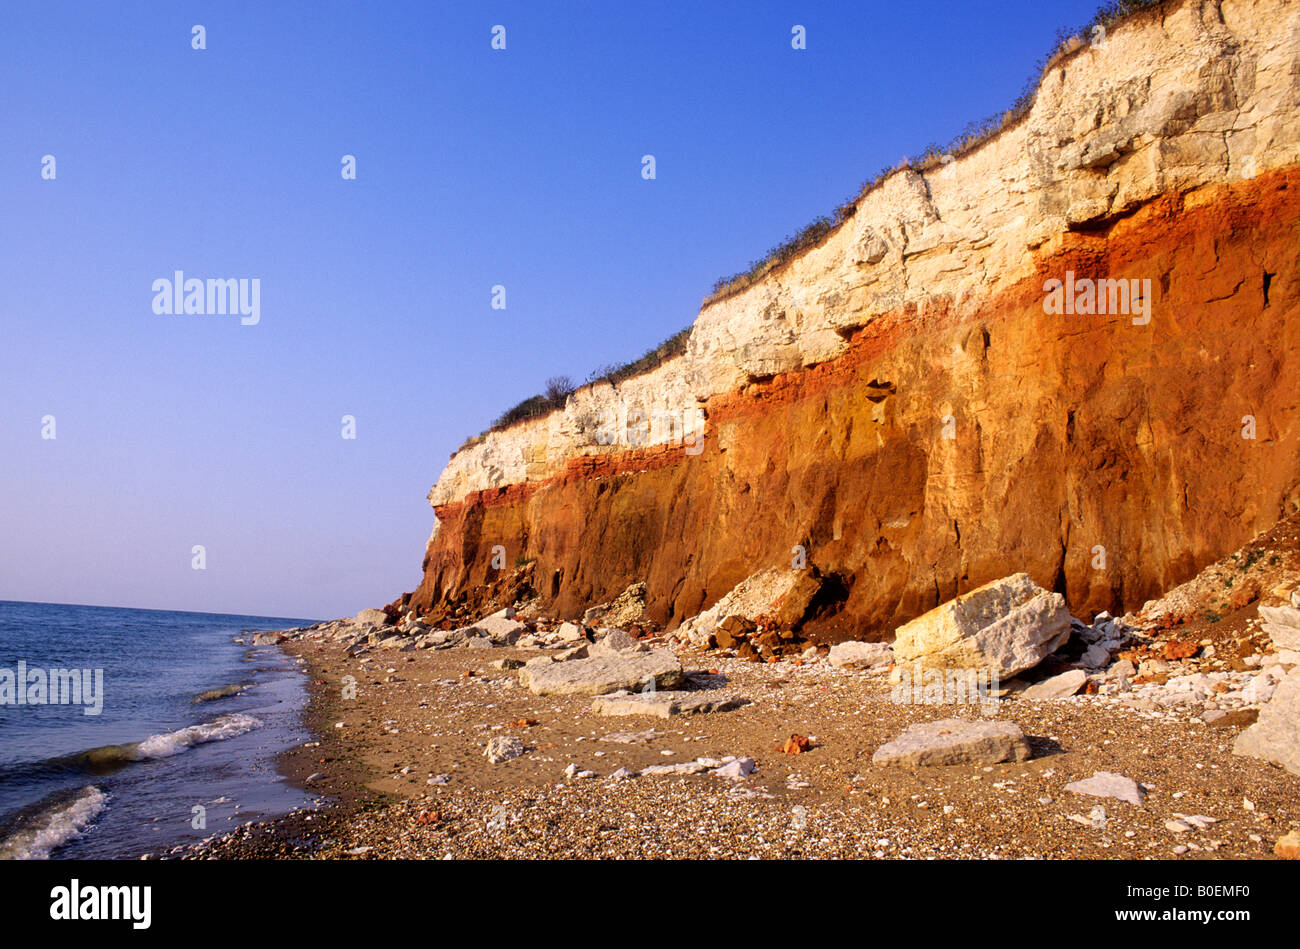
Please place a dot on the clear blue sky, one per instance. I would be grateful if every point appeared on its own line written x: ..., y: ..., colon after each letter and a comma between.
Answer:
x: 474, y: 167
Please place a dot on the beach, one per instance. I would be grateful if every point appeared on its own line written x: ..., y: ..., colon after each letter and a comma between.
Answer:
x: 405, y: 774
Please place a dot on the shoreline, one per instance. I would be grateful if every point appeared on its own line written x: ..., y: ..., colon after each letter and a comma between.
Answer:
x: 422, y: 713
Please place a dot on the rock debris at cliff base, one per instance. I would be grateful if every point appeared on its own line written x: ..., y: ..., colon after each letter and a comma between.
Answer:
x: 829, y: 801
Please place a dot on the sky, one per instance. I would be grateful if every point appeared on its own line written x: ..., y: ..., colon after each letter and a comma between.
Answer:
x: 474, y: 168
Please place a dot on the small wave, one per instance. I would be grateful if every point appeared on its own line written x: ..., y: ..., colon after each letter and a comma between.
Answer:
x: 224, y: 691
x: 52, y: 824
x: 169, y: 743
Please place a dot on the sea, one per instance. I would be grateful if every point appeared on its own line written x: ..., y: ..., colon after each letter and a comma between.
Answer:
x: 167, y: 733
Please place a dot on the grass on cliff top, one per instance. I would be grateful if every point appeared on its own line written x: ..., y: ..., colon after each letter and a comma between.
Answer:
x: 970, y: 138
x: 559, y: 388
x: 975, y: 134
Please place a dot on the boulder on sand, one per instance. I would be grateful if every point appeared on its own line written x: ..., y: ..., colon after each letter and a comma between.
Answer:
x: 666, y: 704
x: 616, y: 642
x: 855, y: 655
x: 951, y: 741
x: 1275, y: 736
x: 603, y: 673
x: 1057, y: 687
x: 1282, y: 623
x: 1006, y: 626
x: 1109, y: 784
x: 501, y: 629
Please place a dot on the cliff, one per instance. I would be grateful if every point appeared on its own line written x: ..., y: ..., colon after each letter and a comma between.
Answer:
x: 912, y: 405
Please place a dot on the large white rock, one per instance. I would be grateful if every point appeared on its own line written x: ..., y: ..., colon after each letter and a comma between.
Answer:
x: 503, y: 748
x: 1109, y: 784
x: 617, y: 642
x: 371, y: 618
x: 1275, y: 736
x: 665, y: 704
x: 499, y: 628
x: 652, y: 670
x: 1282, y: 623
x: 756, y: 595
x: 1006, y: 626
x: 1057, y: 687
x: 855, y: 655
x: 952, y: 741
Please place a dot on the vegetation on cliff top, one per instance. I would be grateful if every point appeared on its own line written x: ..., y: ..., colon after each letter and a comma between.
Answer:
x: 1066, y: 42
x: 970, y: 138
x: 559, y: 388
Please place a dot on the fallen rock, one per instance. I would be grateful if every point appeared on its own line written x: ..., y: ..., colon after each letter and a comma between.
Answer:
x: 627, y: 609
x: 1057, y: 687
x: 733, y: 631
x: 571, y: 633
x: 1282, y: 623
x: 1235, y: 718
x: 736, y: 770
x: 654, y: 669
x: 1006, y: 626
x: 1275, y: 736
x: 499, y: 628
x: 1109, y: 784
x: 269, y: 639
x: 768, y: 593
x: 1096, y: 656
x: 507, y: 665
x: 1288, y: 847
x: 616, y: 642
x: 855, y: 655
x: 631, y: 738
x: 954, y: 741
x: 698, y: 766
x: 666, y: 704
x: 503, y: 748
x: 371, y: 618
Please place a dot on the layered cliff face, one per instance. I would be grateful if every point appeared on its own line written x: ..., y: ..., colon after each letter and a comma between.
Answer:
x: 938, y: 395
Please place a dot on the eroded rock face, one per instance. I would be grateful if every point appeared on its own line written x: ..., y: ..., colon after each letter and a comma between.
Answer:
x: 897, y: 407
x: 1006, y: 626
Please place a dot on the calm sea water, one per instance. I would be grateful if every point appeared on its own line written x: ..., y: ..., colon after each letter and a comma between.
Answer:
x: 191, y: 718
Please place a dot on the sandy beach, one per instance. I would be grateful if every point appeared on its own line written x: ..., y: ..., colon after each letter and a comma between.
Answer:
x: 425, y: 716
